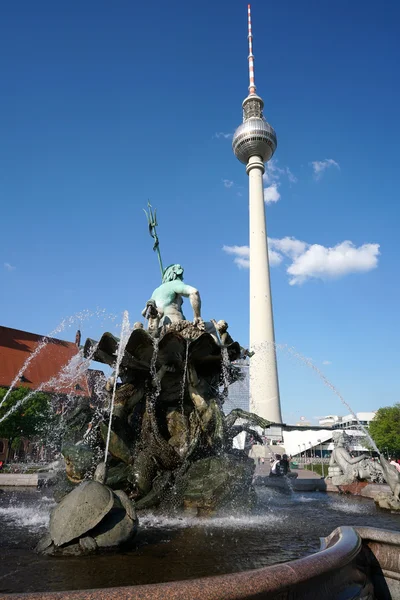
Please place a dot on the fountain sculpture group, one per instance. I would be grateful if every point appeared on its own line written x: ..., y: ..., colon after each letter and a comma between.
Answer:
x: 170, y: 443
x: 345, y: 469
x: 161, y: 439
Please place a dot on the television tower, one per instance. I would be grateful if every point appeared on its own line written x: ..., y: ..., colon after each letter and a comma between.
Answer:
x: 254, y: 143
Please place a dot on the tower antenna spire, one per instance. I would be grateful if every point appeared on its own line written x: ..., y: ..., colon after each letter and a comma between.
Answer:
x: 252, y: 86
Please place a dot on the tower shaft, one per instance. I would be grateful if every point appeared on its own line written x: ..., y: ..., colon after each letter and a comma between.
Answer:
x: 254, y: 143
x: 264, y: 387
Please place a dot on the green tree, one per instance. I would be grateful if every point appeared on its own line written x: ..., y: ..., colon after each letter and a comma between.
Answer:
x: 385, y: 429
x: 29, y: 418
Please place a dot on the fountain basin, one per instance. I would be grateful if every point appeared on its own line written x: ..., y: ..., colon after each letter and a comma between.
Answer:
x: 363, y: 562
x: 175, y: 555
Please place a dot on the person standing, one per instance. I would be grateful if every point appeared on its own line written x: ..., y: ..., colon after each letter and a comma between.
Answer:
x: 275, y: 468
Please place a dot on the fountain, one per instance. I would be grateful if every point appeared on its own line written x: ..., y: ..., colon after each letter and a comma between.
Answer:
x: 157, y: 465
x: 154, y: 473
x: 159, y: 458
x: 168, y: 443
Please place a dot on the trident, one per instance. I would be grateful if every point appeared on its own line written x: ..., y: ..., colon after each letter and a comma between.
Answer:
x: 152, y: 222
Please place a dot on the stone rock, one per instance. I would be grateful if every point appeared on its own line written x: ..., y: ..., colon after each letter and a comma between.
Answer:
x: 178, y: 428
x: 219, y: 482
x: 119, y: 475
x: 76, y: 421
x: 89, y: 518
x: 78, y: 461
x: 153, y: 498
x: 87, y: 544
x: 62, y: 486
x: 387, y: 502
x: 144, y: 471
x: 119, y: 526
x: 80, y: 511
x: 44, y: 544
x: 119, y: 444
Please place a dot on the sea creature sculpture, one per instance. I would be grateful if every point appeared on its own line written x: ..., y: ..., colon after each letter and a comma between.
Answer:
x: 89, y: 518
x: 345, y: 469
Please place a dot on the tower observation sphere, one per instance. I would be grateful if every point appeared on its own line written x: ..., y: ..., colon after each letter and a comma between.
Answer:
x: 254, y: 137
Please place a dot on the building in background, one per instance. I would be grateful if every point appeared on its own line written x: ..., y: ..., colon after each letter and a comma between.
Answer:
x: 317, y: 442
x: 45, y: 358
x: 238, y: 392
x: 348, y: 422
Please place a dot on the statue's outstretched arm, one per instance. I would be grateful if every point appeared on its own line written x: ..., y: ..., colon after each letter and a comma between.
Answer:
x: 194, y: 298
x: 357, y: 459
x: 349, y: 459
x: 236, y: 429
x: 195, y: 302
x: 250, y: 418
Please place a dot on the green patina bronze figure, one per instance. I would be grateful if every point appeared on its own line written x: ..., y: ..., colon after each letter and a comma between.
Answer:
x: 168, y: 297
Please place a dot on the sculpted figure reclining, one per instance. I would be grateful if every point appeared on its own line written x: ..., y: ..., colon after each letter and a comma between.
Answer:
x: 345, y: 469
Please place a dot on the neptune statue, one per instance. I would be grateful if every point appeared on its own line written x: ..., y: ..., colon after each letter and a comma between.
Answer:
x: 168, y: 297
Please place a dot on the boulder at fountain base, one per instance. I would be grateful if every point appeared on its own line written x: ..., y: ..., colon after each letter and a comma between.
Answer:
x: 90, y: 518
x: 387, y: 502
x: 219, y: 482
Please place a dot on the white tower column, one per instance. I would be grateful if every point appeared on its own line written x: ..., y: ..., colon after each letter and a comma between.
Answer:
x: 254, y: 143
x: 264, y: 387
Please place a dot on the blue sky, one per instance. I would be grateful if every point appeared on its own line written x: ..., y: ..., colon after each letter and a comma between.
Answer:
x: 104, y: 105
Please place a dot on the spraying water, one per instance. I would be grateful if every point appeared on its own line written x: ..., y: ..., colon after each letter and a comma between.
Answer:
x: 125, y: 333
x: 20, y: 402
x: 225, y: 371
x: 309, y: 363
x: 67, y: 322
x: 330, y: 385
x: 71, y: 373
x: 185, y: 368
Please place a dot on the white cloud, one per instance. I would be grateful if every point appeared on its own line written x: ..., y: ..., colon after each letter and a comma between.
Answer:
x: 242, y: 251
x: 242, y: 263
x: 319, y: 262
x: 319, y: 166
x: 227, y: 183
x: 288, y: 246
x: 326, y: 362
x: 242, y: 254
x: 271, y: 194
x: 9, y: 267
x: 272, y: 179
x: 313, y: 261
x: 292, y: 178
x: 272, y: 172
x: 221, y: 134
x: 274, y: 257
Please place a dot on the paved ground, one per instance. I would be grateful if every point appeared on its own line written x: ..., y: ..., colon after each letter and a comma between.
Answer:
x: 264, y: 470
x: 18, y: 479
